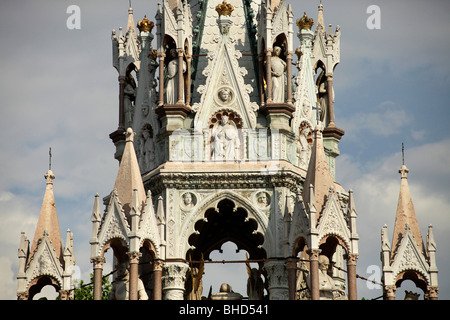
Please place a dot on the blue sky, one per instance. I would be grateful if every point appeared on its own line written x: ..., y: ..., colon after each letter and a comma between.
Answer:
x: 60, y: 90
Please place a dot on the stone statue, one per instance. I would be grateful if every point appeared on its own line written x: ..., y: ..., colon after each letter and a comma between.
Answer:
x: 255, y: 284
x: 303, y: 147
x: 172, y: 81
x: 327, y: 287
x: 147, y: 149
x: 120, y: 287
x: 188, y: 200
x: 278, y: 68
x: 226, y: 293
x: 195, y: 282
x: 323, y: 98
x: 128, y: 98
x: 225, y: 142
x: 225, y: 95
x: 262, y: 199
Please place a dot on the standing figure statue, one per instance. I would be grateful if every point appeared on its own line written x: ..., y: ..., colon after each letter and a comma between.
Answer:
x: 225, y: 140
x: 323, y: 99
x: 120, y: 289
x: 255, y: 284
x: 128, y: 98
x: 303, y: 147
x: 278, y: 69
x: 147, y: 150
x: 172, y: 79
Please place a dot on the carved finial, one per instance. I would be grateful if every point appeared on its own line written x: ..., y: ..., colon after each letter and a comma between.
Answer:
x: 145, y: 25
x: 49, y: 176
x: 130, y: 135
x: 305, y: 22
x: 224, y: 9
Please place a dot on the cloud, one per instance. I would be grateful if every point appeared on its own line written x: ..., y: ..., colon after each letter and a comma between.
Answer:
x: 376, y: 187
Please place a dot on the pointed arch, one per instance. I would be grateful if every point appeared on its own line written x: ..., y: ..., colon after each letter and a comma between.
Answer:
x: 250, y: 216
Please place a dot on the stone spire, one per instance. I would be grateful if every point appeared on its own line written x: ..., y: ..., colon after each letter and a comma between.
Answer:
x: 318, y: 174
x: 48, y: 219
x: 130, y: 24
x: 129, y: 176
x: 320, y: 21
x: 405, y: 215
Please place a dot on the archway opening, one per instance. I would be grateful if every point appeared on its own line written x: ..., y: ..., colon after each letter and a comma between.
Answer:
x: 410, y: 286
x: 229, y: 228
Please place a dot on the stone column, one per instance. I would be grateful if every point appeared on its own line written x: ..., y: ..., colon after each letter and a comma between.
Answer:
x: 173, y: 280
x: 269, y: 75
x: 98, y: 271
x: 188, y: 85
x: 180, y: 77
x: 330, y: 100
x: 122, y: 82
x: 157, y: 285
x: 134, y: 274
x: 289, y: 77
x: 291, y: 264
x: 278, y: 280
x: 161, y: 78
x: 351, y: 276
x: 314, y: 273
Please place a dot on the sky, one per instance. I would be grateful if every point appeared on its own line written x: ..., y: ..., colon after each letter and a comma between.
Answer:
x: 60, y: 90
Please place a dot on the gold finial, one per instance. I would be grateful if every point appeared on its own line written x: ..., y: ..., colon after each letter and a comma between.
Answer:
x: 224, y: 9
x: 145, y: 25
x: 305, y: 22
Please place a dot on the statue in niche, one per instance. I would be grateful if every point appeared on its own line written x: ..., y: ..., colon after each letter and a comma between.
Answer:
x: 146, y: 148
x: 188, y: 200
x: 327, y: 287
x: 225, y: 142
x: 278, y: 68
x: 172, y: 81
x: 121, y: 286
x: 128, y: 98
x: 262, y: 199
x: 145, y: 110
x: 303, y: 146
x: 323, y: 99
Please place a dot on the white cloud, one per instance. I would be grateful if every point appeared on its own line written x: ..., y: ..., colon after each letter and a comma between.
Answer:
x: 383, y: 120
x: 376, y: 187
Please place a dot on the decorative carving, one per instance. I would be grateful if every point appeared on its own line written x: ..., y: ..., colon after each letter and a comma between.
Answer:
x: 172, y: 80
x: 304, y: 142
x: 224, y: 9
x: 262, y: 199
x: 225, y: 141
x: 305, y: 22
x: 189, y: 200
x: 278, y: 79
x: 145, y: 25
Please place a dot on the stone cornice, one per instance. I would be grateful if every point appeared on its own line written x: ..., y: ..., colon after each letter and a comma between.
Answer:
x: 213, y: 175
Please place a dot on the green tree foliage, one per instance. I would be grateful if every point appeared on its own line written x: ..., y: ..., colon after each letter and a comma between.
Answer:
x: 86, y: 291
